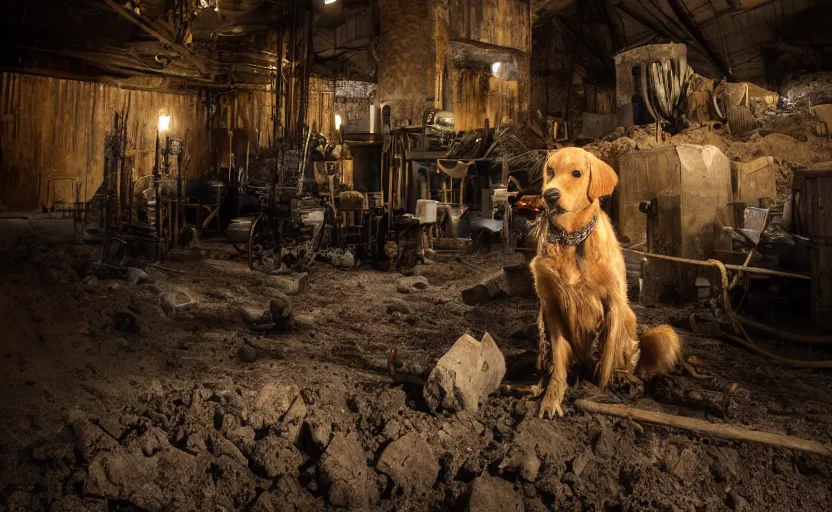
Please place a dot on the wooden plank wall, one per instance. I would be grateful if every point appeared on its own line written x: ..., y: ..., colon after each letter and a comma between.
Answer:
x: 497, y: 22
x: 53, y: 128
x: 479, y: 95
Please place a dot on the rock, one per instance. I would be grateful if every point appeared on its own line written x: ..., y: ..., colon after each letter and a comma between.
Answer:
x: 280, y: 309
x: 248, y: 354
x: 219, y: 445
x: 411, y: 284
x: 580, y: 462
x: 271, y: 404
x: 289, y: 284
x: 87, y: 437
x: 90, y: 283
x: 491, y: 494
x: 242, y: 437
x: 320, y: 432
x: 465, y: 376
x: 523, y: 460
x: 343, y: 473
x: 410, y: 463
x: 153, y: 441
x: 737, y: 503
x: 602, y: 443
x: 136, y: 275
x: 681, y: 462
x: 305, y: 321
x: 173, y: 302
x: 253, y: 316
x: 535, y: 439
x: 293, y: 419
x: 286, y: 495
x: 275, y: 457
x: 398, y: 306
x: 126, y: 322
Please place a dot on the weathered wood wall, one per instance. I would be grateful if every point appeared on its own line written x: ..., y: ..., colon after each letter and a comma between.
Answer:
x: 478, y: 96
x: 406, y: 59
x: 496, y: 22
x: 52, y: 128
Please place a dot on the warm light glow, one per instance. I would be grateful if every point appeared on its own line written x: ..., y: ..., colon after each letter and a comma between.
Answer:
x: 337, y: 122
x: 327, y: 2
x: 495, y: 68
x: 164, y: 123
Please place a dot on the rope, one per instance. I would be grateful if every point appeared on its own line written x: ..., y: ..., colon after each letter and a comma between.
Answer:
x: 737, y: 321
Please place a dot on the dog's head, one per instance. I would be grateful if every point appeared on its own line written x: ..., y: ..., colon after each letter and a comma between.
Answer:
x: 573, y: 179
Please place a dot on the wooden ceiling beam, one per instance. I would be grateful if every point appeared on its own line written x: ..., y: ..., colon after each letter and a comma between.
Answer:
x: 149, y: 28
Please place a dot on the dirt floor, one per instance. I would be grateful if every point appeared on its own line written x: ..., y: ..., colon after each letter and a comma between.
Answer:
x: 195, y: 411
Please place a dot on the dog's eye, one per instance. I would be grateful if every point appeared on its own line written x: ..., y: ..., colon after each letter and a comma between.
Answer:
x: 550, y: 173
x: 576, y: 173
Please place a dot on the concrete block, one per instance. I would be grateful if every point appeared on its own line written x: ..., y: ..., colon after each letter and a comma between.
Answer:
x: 692, y: 185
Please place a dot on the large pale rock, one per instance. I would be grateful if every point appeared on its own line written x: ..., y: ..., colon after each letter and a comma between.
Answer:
x: 411, y: 463
x: 465, y: 375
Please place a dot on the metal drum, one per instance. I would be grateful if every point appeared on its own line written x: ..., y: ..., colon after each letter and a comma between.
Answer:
x: 816, y: 212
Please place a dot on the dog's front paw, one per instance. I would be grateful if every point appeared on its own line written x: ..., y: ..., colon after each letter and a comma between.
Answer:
x: 552, y: 400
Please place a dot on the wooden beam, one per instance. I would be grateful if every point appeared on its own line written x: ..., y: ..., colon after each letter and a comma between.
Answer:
x: 681, y: 13
x: 733, y: 12
x: 147, y: 26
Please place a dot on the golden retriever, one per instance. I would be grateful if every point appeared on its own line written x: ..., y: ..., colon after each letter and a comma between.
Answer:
x: 580, y: 278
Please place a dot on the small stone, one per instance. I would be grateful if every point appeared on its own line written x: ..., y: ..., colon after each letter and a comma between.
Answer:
x: 248, y: 354
x: 271, y: 404
x: 290, y: 284
x: 275, y: 457
x: 602, y: 443
x: 580, y: 462
x: 320, y: 432
x: 522, y: 459
x: 136, y: 275
x: 90, y: 283
x: 398, y: 306
x: 695, y: 396
x: 343, y: 472
x: 305, y: 321
x: 280, y: 308
x: 492, y: 494
x: 411, y: 464
x: 411, y: 284
x: 255, y: 315
x: 293, y: 419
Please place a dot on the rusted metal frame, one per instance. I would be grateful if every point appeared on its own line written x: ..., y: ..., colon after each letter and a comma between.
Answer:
x: 149, y: 28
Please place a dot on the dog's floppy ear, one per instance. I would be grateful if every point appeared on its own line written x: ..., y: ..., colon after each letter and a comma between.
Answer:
x: 602, y: 178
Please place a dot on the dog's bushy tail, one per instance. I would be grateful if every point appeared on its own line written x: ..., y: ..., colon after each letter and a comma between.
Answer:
x: 661, y: 349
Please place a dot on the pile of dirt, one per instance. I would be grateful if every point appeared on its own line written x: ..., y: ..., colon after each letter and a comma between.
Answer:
x: 788, y: 138
x: 169, y: 416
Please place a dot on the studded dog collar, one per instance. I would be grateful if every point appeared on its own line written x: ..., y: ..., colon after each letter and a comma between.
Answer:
x: 574, y: 238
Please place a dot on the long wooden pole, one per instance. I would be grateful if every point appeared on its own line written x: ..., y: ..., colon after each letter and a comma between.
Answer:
x: 721, y: 430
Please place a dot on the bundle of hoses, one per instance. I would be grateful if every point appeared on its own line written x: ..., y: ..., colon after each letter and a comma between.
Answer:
x: 662, y: 86
x: 737, y: 322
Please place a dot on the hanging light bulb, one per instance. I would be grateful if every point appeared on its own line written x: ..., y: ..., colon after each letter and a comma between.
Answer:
x: 164, y: 122
x: 495, y: 68
x: 337, y: 122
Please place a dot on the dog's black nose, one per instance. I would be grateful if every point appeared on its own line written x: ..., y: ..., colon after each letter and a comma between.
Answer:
x: 551, y: 196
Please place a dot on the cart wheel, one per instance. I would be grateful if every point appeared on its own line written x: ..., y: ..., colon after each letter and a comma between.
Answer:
x: 260, y: 239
